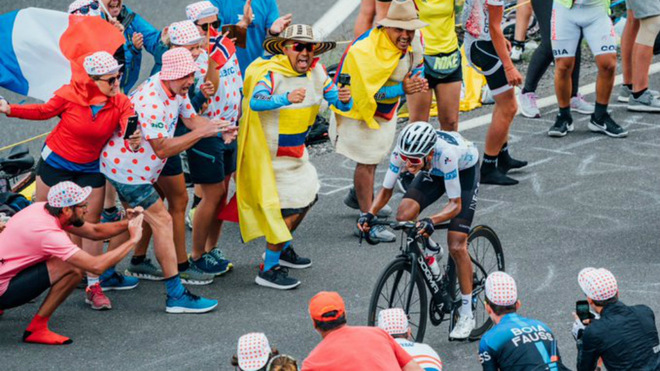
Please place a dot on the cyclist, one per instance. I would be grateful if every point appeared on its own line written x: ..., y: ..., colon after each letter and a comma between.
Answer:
x: 516, y: 342
x: 570, y: 19
x: 443, y: 162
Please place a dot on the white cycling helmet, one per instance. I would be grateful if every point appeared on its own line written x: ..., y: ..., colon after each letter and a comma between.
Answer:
x: 417, y: 139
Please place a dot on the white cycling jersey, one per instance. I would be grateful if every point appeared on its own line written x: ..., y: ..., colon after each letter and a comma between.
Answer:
x: 423, y: 354
x: 475, y: 18
x: 453, y: 153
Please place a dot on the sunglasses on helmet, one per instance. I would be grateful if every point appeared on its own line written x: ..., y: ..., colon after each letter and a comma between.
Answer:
x: 299, y: 47
x: 85, y: 9
x: 413, y: 160
x: 205, y: 26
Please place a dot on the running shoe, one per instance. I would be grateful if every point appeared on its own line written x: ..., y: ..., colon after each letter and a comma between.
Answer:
x: 276, y: 278
x: 625, y: 94
x: 351, y: 201
x: 608, y: 127
x: 377, y: 234
x: 194, y: 276
x: 528, y: 107
x: 189, y: 303
x: 119, y: 282
x: 645, y: 103
x: 496, y: 177
x: 220, y: 258
x: 580, y: 105
x: 144, y: 271
x: 516, y: 54
x: 116, y: 216
x: 95, y: 297
x: 463, y: 328
x: 207, y: 264
x: 560, y: 128
x: 290, y: 259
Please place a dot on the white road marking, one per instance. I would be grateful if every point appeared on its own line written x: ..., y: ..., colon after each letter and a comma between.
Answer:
x: 334, y: 17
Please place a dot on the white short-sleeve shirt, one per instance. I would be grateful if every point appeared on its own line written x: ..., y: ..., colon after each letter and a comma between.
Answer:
x: 475, y: 18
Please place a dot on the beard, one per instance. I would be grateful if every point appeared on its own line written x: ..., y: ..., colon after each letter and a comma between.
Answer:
x: 78, y: 222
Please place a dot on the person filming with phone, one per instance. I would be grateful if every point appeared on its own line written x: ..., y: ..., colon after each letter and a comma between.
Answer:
x: 625, y: 337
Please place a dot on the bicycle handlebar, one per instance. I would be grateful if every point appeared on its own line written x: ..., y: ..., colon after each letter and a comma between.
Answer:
x: 395, y: 225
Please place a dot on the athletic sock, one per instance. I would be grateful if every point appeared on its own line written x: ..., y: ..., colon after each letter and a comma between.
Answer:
x: 138, y: 259
x: 489, y: 163
x: 110, y: 210
x: 91, y: 281
x: 639, y: 93
x: 272, y: 259
x: 287, y: 244
x: 196, y: 201
x: 183, y: 266
x: 466, y: 305
x: 600, y: 112
x: 38, y: 332
x: 174, y: 287
x: 565, y: 113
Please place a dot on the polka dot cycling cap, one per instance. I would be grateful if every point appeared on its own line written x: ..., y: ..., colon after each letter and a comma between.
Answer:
x: 184, y: 33
x: 253, y: 351
x: 101, y: 63
x: 177, y: 63
x: 501, y: 289
x: 66, y: 194
x: 200, y: 10
x: 598, y: 283
x: 393, y: 320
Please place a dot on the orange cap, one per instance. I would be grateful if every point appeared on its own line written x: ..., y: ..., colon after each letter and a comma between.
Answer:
x: 325, y: 302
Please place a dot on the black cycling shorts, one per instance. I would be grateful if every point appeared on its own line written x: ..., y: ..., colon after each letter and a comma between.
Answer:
x: 27, y: 285
x: 51, y: 176
x: 482, y: 54
x: 211, y: 160
x: 425, y: 189
x: 300, y: 210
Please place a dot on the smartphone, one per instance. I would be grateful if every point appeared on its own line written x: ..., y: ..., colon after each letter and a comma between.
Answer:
x: 582, y: 310
x: 237, y: 33
x: 344, y: 79
x: 131, y: 126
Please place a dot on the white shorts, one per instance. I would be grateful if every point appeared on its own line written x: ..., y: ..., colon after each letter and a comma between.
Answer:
x: 590, y: 21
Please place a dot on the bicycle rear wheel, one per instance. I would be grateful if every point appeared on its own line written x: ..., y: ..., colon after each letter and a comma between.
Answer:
x: 393, y: 291
x: 486, y: 253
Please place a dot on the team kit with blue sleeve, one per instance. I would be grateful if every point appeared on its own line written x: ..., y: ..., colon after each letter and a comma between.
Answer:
x: 518, y: 343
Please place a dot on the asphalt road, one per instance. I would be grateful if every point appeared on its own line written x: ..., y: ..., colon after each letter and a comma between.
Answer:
x: 584, y: 200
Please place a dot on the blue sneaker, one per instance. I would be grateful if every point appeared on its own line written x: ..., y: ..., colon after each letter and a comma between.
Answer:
x: 208, y: 264
x: 220, y: 258
x: 189, y: 303
x: 118, y: 281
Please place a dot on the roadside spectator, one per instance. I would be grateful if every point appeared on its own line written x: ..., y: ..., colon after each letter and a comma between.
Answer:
x: 38, y: 255
x: 354, y: 347
x: 255, y: 354
x: 262, y: 20
x: 625, y: 337
x: 139, y: 34
x: 171, y: 183
x: 642, y: 25
x: 85, y: 7
x: 539, y: 63
x: 159, y: 102
x: 275, y: 189
x: 394, y: 321
x: 90, y: 113
x: 515, y: 342
x: 523, y: 15
x: 384, y: 64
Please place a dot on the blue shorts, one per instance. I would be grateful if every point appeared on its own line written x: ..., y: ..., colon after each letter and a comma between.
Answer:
x: 134, y: 195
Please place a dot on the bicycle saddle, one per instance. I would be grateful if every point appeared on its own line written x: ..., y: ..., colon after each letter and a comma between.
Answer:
x: 19, y: 159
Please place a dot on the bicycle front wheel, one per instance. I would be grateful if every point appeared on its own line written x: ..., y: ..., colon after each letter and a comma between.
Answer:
x: 396, y: 288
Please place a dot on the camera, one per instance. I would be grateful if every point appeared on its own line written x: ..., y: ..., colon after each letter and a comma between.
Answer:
x: 344, y: 79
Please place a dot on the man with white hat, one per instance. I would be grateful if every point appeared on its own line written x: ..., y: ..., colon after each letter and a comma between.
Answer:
x: 253, y: 352
x: 516, y: 342
x: 625, y: 337
x: 394, y: 321
x: 159, y: 102
x: 37, y: 254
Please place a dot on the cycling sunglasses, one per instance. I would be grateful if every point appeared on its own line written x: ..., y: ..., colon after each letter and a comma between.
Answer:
x: 111, y: 81
x: 205, y: 26
x: 85, y: 9
x: 299, y: 47
x: 413, y: 160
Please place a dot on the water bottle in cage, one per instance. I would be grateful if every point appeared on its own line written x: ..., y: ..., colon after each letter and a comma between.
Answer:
x: 433, y: 253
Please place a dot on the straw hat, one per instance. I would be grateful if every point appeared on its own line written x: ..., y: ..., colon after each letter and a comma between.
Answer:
x: 402, y: 14
x: 297, y: 32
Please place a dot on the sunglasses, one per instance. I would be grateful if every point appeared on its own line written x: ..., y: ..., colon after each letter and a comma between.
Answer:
x: 85, y: 9
x: 112, y: 80
x: 299, y: 47
x: 413, y: 160
x: 215, y: 24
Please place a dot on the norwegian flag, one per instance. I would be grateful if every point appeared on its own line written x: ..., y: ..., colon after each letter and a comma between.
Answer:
x: 220, y: 47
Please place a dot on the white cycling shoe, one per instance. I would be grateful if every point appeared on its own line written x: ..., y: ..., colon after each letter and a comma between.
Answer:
x: 463, y: 328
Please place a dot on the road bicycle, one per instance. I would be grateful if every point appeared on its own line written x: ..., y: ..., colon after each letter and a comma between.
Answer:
x: 405, y: 282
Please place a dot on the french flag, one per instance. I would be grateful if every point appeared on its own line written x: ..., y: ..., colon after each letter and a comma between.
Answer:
x: 43, y: 49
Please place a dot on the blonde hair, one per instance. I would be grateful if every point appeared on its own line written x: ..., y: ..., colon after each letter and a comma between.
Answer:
x: 283, y: 363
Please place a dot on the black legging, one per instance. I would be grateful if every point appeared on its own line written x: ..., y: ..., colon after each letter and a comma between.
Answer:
x: 542, y: 57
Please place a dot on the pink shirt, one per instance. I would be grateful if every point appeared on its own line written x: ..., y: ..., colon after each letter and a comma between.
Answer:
x: 30, y: 237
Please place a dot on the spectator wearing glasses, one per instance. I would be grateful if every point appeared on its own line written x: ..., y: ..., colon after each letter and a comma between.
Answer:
x: 255, y: 354
x: 260, y: 17
x: 37, y: 254
x: 275, y: 189
x: 159, y: 102
x: 90, y: 111
x: 85, y: 7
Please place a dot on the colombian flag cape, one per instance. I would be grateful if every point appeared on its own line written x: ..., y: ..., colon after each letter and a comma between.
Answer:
x: 259, y: 209
x: 367, y: 76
